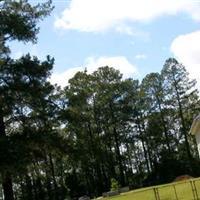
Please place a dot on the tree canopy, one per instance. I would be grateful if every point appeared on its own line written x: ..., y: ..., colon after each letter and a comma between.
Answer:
x: 100, y: 132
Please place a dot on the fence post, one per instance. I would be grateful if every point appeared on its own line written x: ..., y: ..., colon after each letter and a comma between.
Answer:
x: 193, y: 190
x: 156, y: 193
x: 154, y: 190
x: 175, y: 192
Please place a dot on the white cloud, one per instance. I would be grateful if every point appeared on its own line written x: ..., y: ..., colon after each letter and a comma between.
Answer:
x: 186, y: 48
x: 91, y: 64
x: 100, y: 15
x: 62, y: 78
x: 118, y: 62
x: 126, y: 29
x: 140, y: 56
x: 132, y: 31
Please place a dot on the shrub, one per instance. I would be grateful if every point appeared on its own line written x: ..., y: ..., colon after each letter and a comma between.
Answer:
x: 114, y: 185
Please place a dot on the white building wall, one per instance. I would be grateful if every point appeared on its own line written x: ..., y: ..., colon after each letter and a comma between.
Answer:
x: 198, y: 141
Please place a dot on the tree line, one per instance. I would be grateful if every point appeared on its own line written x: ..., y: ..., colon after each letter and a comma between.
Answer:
x: 59, y: 143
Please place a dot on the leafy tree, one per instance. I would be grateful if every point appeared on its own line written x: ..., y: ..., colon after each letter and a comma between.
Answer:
x: 182, y: 96
x: 21, y: 88
x: 162, y: 137
x: 101, y: 129
x: 100, y: 104
x: 18, y: 21
x: 114, y: 185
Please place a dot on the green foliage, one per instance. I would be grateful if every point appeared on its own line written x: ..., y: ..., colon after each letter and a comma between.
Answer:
x: 115, y: 114
x: 55, y: 142
x: 18, y: 21
x: 114, y: 185
x: 100, y: 114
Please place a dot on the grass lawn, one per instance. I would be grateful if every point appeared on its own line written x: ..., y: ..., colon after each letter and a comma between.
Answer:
x: 183, y: 190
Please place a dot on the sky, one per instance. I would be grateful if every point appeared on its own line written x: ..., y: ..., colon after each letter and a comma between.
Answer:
x: 133, y: 36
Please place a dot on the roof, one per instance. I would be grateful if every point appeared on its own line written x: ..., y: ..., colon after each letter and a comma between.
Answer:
x: 195, y: 128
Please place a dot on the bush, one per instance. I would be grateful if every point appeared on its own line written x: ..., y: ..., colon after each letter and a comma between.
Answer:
x: 114, y: 185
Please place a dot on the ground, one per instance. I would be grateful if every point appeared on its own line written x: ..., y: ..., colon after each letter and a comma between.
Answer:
x: 183, y: 190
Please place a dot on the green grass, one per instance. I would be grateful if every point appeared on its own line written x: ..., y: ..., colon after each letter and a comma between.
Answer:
x: 166, y: 192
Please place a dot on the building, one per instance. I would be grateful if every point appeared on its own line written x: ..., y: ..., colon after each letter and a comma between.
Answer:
x: 195, y: 130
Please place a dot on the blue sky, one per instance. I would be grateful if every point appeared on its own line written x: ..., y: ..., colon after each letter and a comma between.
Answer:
x: 135, y: 37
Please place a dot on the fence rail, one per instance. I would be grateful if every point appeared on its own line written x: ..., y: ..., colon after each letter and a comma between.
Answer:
x: 183, y: 190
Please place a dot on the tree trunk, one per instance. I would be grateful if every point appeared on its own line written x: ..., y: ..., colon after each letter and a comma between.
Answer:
x: 117, y: 147
x: 29, y: 188
x: 184, y: 131
x: 143, y: 144
x: 7, y: 187
x: 121, y: 171
x: 163, y: 124
x: 48, y: 180
x: 53, y: 176
x: 7, y: 178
